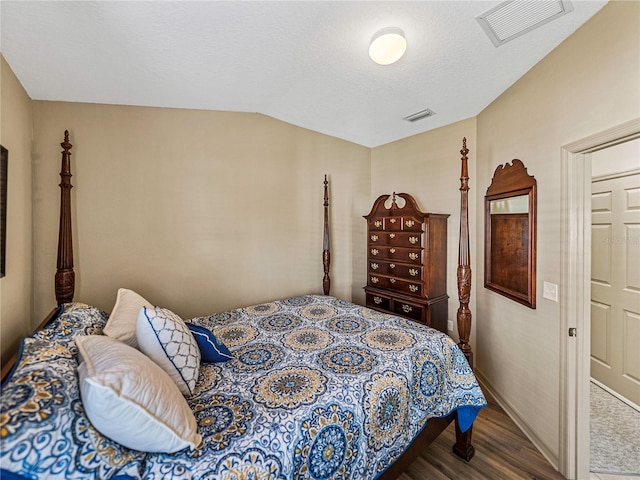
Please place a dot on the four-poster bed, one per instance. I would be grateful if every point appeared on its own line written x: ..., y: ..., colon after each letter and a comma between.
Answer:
x: 317, y: 387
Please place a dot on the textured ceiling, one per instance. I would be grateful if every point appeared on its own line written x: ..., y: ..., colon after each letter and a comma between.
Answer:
x: 302, y: 62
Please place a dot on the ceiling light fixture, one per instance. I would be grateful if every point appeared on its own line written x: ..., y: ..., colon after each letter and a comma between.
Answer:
x: 387, y: 46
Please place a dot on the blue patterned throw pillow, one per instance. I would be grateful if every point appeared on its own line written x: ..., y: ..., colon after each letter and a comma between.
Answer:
x: 164, y: 337
x: 211, y: 349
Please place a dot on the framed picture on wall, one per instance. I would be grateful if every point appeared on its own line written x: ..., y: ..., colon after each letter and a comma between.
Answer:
x: 4, y: 158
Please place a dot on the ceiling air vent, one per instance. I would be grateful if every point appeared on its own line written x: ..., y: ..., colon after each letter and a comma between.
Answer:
x: 414, y: 117
x: 513, y: 18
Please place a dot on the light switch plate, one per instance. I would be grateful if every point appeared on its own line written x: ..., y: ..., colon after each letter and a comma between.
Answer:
x: 550, y: 291
x: 450, y: 325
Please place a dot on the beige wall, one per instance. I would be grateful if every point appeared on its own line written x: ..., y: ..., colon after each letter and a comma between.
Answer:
x: 586, y: 85
x: 198, y: 211
x: 624, y: 157
x: 16, y: 129
x: 428, y: 167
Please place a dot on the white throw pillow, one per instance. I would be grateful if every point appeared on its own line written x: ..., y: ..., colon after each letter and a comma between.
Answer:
x: 131, y: 400
x: 122, y: 321
x: 165, y: 338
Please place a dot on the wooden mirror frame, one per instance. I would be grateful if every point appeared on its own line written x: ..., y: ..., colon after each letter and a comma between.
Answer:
x: 510, y: 239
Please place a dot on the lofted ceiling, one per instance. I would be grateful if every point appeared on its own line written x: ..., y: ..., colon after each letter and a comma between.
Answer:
x: 302, y: 62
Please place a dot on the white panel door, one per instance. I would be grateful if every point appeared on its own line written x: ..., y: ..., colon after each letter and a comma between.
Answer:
x: 615, y: 284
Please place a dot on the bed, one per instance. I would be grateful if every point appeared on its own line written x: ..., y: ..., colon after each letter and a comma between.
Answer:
x: 309, y: 387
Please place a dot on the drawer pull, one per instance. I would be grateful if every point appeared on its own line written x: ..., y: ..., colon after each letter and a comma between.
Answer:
x: 409, y: 223
x: 413, y: 240
x: 414, y: 288
x: 374, y: 251
x: 374, y: 238
x: 374, y: 266
x: 392, y: 235
x: 413, y: 272
x: 413, y: 256
x: 378, y: 223
x: 392, y: 250
x: 392, y: 280
x: 377, y: 300
x: 392, y: 220
x: 406, y: 308
x: 392, y: 265
x: 375, y: 279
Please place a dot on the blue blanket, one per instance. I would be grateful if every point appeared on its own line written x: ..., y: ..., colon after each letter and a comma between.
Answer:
x: 318, y: 388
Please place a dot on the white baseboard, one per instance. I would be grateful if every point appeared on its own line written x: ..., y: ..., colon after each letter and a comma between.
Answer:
x: 542, y: 447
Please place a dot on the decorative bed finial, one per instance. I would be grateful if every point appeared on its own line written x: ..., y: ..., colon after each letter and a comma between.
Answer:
x: 66, y: 145
x: 464, y: 176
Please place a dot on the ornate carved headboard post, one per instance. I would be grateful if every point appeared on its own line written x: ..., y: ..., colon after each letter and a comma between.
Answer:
x: 464, y: 261
x: 65, y: 276
x: 326, y: 254
x: 463, y: 447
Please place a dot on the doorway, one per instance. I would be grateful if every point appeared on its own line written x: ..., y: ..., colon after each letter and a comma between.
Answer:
x: 575, y: 294
x: 615, y: 310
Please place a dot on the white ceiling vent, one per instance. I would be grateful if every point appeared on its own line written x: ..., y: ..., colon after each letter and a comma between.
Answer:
x: 414, y: 117
x: 513, y: 18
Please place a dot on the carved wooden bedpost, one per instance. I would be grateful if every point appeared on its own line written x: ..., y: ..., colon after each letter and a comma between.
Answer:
x: 65, y: 276
x: 464, y: 260
x: 463, y: 447
x: 326, y: 254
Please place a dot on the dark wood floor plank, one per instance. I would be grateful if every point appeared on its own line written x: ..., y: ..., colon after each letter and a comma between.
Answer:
x: 502, y: 452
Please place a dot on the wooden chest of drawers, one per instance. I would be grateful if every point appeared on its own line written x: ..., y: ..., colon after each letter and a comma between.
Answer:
x: 407, y: 261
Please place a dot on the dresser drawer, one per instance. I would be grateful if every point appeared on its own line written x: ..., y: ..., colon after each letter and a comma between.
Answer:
x: 411, y: 224
x: 376, y: 224
x: 378, y: 301
x: 410, y: 310
x: 396, y: 239
x: 400, y: 270
x: 389, y: 224
x: 412, y: 256
x: 396, y: 224
x: 394, y: 269
x: 412, y: 273
x: 393, y: 224
x: 396, y: 284
x: 377, y: 267
x: 407, y: 287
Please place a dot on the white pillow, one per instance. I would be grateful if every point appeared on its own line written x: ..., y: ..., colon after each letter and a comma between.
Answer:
x: 131, y: 400
x: 122, y: 321
x: 165, y: 338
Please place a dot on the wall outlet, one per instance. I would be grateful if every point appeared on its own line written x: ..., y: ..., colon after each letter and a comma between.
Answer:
x: 450, y: 325
x: 550, y: 291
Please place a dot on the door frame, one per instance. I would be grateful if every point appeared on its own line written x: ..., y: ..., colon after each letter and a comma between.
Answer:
x: 575, y: 294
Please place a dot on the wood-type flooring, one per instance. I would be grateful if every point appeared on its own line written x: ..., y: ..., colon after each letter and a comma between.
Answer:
x: 502, y: 452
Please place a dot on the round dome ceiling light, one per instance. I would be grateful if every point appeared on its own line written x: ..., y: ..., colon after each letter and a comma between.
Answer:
x: 387, y: 46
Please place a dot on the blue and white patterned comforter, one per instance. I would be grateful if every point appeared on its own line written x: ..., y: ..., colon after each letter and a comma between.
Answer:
x: 318, y: 388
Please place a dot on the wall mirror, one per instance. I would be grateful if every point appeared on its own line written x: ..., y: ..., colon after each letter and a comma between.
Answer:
x: 510, y: 234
